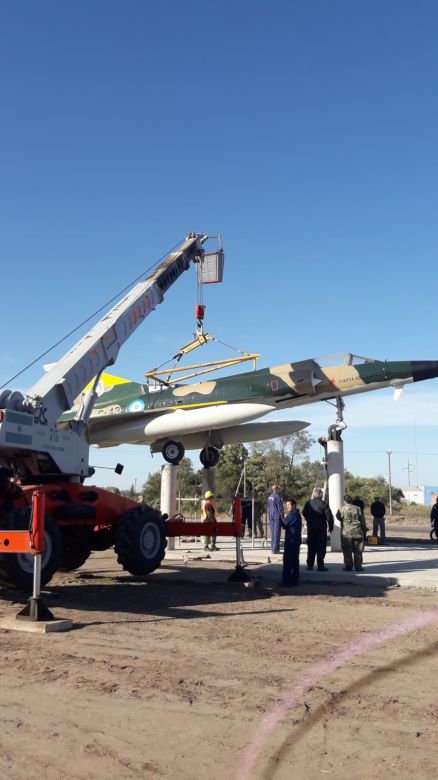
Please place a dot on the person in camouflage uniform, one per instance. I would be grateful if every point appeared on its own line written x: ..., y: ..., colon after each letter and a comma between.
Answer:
x: 353, y: 534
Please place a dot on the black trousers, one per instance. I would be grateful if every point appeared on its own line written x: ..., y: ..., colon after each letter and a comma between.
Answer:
x: 316, y: 546
x: 291, y: 563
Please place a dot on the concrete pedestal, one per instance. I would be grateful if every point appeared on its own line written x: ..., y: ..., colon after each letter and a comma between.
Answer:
x: 336, y: 486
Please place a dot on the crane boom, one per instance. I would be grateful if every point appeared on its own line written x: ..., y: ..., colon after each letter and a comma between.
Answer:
x: 29, y: 437
x: 99, y: 348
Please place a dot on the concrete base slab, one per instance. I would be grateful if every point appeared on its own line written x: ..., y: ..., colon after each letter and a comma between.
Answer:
x: 35, y: 627
x: 390, y: 565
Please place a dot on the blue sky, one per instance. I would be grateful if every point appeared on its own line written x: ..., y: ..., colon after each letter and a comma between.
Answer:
x: 304, y: 132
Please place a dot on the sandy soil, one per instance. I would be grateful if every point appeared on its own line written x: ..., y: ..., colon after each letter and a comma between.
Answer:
x: 172, y: 677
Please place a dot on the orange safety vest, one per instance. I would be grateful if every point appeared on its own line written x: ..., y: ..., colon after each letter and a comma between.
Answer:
x: 209, y: 502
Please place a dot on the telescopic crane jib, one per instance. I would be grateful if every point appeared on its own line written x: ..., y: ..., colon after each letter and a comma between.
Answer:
x: 55, y: 460
x: 30, y: 440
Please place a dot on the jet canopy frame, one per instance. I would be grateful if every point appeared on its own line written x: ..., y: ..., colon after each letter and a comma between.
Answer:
x: 343, y: 359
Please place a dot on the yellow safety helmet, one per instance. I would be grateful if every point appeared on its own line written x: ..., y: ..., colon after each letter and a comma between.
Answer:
x: 209, y: 494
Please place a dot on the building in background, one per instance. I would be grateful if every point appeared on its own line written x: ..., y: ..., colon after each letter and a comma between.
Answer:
x: 422, y: 494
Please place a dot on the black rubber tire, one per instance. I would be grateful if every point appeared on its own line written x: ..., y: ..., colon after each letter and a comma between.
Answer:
x: 16, y: 569
x: 209, y: 457
x: 75, y: 548
x: 103, y: 539
x: 140, y: 540
x: 173, y: 452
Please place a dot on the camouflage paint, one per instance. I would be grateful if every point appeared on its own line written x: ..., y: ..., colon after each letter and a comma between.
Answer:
x: 280, y: 386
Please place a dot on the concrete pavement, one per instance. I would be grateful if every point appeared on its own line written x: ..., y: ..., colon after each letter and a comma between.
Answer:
x: 409, y: 565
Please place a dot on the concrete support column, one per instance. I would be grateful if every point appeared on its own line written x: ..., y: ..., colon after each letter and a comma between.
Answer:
x: 336, y: 485
x: 169, y: 475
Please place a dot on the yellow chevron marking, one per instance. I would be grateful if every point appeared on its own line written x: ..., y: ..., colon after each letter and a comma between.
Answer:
x: 108, y: 382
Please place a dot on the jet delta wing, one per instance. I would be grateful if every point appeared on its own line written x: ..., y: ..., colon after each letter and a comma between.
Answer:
x: 212, y: 413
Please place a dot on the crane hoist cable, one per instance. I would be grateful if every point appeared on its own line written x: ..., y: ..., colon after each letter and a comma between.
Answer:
x: 90, y: 317
x: 200, y: 337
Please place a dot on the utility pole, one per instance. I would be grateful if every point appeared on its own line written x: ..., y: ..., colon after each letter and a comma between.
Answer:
x: 415, y: 450
x: 389, y: 453
x: 410, y: 468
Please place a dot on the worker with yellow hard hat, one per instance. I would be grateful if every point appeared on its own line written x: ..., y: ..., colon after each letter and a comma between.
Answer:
x: 209, y: 516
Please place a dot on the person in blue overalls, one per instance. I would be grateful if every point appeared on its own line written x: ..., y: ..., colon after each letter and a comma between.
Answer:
x: 275, y: 513
x: 292, y: 542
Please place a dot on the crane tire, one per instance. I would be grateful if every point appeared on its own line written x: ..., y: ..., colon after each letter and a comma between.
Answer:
x: 140, y: 540
x: 75, y: 548
x: 16, y: 569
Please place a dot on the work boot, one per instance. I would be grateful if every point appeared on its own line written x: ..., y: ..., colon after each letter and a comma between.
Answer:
x: 322, y: 568
x: 215, y: 548
x: 359, y: 568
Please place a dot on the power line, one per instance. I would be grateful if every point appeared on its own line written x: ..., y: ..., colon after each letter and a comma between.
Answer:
x: 397, y: 452
x: 116, y: 296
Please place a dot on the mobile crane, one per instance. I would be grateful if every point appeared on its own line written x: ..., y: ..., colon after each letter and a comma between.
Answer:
x: 39, y: 453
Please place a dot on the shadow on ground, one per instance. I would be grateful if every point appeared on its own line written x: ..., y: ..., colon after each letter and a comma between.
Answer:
x: 178, y: 592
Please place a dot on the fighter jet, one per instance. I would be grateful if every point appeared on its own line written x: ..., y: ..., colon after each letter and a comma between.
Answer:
x: 209, y: 414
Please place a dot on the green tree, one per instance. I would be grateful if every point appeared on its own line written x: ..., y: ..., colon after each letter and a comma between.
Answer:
x: 115, y: 490
x: 367, y: 488
x: 189, y: 483
x: 131, y: 492
x: 229, y: 470
x: 307, y: 475
x: 256, y: 471
x: 151, y: 490
x: 278, y: 462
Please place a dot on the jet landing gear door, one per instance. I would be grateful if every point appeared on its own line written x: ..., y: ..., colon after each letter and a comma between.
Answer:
x: 305, y: 377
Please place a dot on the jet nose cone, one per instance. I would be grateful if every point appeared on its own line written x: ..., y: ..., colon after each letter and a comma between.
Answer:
x: 424, y: 369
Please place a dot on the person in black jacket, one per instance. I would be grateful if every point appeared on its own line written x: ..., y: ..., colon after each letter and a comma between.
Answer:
x: 318, y: 516
x: 357, y: 501
x: 378, y: 510
x: 292, y: 542
x: 434, y: 517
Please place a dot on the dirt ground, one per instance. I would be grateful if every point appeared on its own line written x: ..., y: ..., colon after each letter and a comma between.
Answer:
x: 405, y: 528
x: 173, y: 676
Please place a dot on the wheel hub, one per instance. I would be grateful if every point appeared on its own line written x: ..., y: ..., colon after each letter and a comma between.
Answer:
x: 172, y: 451
x: 150, y: 540
x: 26, y: 560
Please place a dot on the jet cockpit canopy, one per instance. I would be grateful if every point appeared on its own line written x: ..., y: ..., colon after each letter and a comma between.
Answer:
x: 343, y: 359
